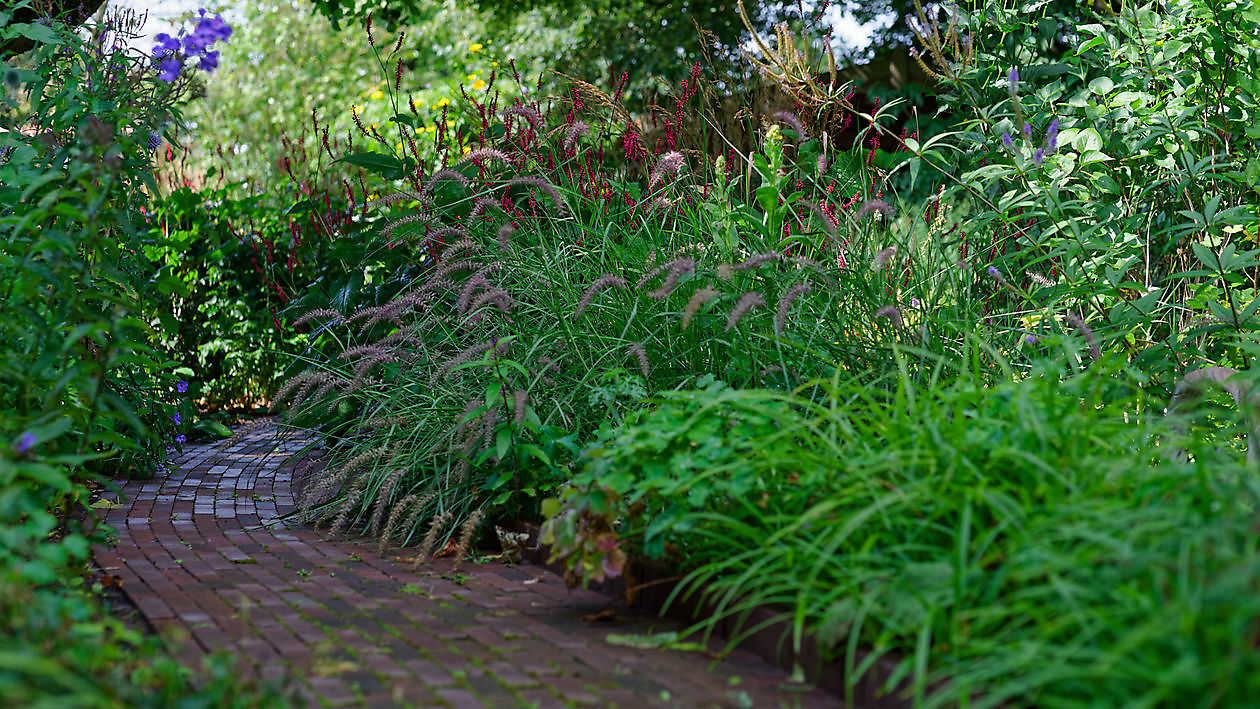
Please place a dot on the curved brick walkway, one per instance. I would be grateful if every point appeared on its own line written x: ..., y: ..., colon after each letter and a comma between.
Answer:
x: 209, y: 562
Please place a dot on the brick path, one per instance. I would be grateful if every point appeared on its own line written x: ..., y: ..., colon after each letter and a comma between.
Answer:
x: 209, y: 562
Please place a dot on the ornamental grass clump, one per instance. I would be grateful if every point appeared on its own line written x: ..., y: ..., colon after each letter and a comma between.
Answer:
x: 497, y: 363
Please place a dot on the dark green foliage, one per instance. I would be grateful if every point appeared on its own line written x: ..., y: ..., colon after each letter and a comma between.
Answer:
x: 86, y: 390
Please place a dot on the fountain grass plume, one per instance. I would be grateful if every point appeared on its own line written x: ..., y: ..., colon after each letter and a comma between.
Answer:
x: 828, y: 225
x: 383, y: 497
x: 529, y: 113
x: 435, y: 178
x: 883, y: 256
x: 576, y: 129
x: 649, y: 275
x: 427, y: 544
x: 329, y: 480
x: 694, y: 303
x: 489, y: 429
x: 785, y: 305
x: 790, y: 120
x: 519, y: 399
x: 474, y: 282
x: 758, y: 260
x: 450, y: 267
x: 464, y: 357
x: 746, y: 302
x: 482, y: 155
x: 408, y: 503
x: 395, y: 198
x: 1079, y: 324
x: 604, y: 281
x: 345, y: 509
x: 466, y: 532
x: 541, y: 184
x: 670, y: 163
x: 495, y: 296
x: 420, y: 217
x: 504, y: 236
x: 675, y: 270
x: 363, y: 368
x: 480, y: 206
x: 461, y: 246
x: 319, y: 314
x: 875, y: 205
x: 465, y: 417
x: 639, y: 352
x: 889, y: 312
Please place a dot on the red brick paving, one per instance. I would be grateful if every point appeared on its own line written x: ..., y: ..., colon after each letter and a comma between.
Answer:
x: 208, y: 558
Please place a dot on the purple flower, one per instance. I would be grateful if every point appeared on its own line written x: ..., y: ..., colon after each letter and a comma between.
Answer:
x: 25, y: 442
x: 169, y: 51
x: 155, y: 140
x: 166, y: 45
x: 1012, y: 80
x: 1052, y: 135
x: 209, y: 61
x: 180, y: 439
x: 1028, y: 131
x: 1039, y: 155
x: 181, y: 386
x: 1030, y: 339
x: 168, y: 69
x: 1006, y: 140
x: 177, y: 419
x: 994, y: 272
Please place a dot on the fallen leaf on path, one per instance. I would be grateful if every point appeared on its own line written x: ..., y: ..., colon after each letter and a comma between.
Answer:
x: 655, y: 641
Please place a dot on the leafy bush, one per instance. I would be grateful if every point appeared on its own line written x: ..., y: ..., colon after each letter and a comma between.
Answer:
x: 1117, y: 182
x: 84, y: 383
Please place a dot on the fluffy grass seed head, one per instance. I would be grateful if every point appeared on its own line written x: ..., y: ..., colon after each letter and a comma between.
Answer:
x: 675, y: 270
x: 694, y: 303
x: 746, y: 302
x: 606, y: 280
x: 785, y: 305
x: 638, y: 351
x: 545, y: 186
x: 889, y: 312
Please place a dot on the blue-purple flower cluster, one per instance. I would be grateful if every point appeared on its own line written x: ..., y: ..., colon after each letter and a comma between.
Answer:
x: 1051, y: 140
x: 171, y: 53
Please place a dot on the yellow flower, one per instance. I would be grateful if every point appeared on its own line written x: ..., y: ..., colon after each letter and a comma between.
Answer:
x: 430, y: 129
x: 474, y: 47
x: 478, y: 85
x: 467, y: 149
x: 356, y: 110
x: 373, y: 126
x: 398, y: 147
x: 494, y: 64
x: 377, y: 95
x: 450, y: 124
x: 471, y: 77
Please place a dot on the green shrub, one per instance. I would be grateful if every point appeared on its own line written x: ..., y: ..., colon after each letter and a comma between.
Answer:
x: 1115, y: 183
x: 86, y: 392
